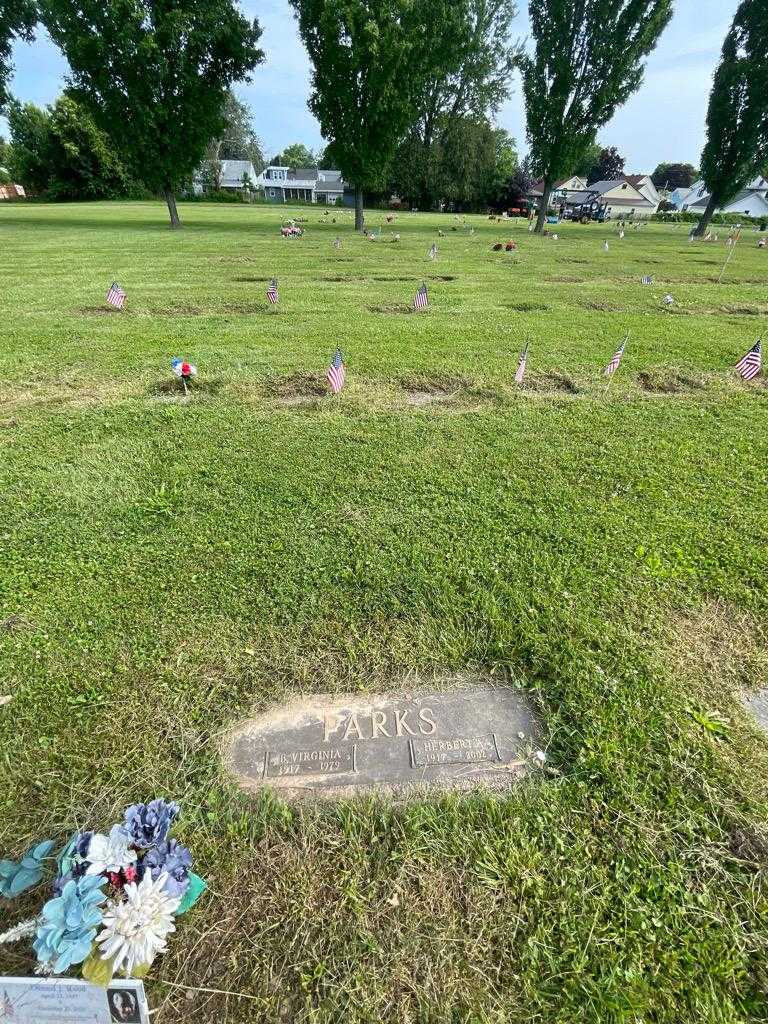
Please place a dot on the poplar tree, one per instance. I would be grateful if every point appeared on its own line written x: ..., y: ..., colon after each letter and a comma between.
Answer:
x: 737, y: 118
x: 370, y: 62
x: 587, y: 60
x: 155, y: 75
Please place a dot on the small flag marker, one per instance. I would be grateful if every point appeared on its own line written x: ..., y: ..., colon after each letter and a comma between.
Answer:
x: 613, y: 366
x: 432, y: 251
x: 647, y: 279
x: 606, y: 247
x: 272, y: 293
x: 336, y: 372
x: 116, y: 296
x: 421, y: 298
x: 750, y: 364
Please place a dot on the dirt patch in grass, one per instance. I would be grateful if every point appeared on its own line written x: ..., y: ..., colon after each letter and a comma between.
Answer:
x: 173, y: 388
x: 725, y: 647
x: 427, y: 388
x: 744, y: 310
x: 251, y: 280
x: 346, y: 277
x: 101, y: 311
x: 395, y: 310
x: 529, y: 307
x: 8, y: 424
x: 565, y: 279
x: 441, y: 277
x: 293, y: 388
x: 747, y: 844
x: 248, y: 309
x: 551, y: 383
x: 604, y: 307
x: 15, y: 624
x: 668, y: 382
x: 176, y: 311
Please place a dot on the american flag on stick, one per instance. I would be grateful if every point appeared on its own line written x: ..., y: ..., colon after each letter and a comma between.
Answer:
x: 646, y: 280
x: 520, y: 372
x: 337, y: 243
x: 272, y: 294
x: 116, y: 296
x: 336, y: 372
x: 421, y: 298
x: 749, y: 365
x: 432, y: 251
x: 613, y: 366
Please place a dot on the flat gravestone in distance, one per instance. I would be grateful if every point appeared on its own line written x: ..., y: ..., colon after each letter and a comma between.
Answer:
x: 334, y: 746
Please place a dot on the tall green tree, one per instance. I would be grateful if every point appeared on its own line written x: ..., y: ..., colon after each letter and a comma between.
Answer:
x: 17, y: 21
x: 155, y: 75
x: 737, y: 118
x: 296, y: 155
x: 474, y: 58
x: 608, y: 166
x: 370, y: 61
x: 238, y: 139
x: 587, y: 60
x: 586, y: 162
x: 674, y: 176
x: 61, y: 154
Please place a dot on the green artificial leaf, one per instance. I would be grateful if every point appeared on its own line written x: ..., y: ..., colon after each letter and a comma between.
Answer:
x: 97, y: 971
x: 140, y: 971
x: 195, y: 890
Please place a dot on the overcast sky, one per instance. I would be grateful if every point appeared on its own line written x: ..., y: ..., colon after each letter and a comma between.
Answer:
x: 664, y: 120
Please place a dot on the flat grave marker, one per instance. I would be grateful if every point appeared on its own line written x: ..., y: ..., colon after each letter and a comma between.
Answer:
x: 333, y: 746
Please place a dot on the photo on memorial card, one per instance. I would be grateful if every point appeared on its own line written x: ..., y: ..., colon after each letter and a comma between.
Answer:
x: 124, y: 1006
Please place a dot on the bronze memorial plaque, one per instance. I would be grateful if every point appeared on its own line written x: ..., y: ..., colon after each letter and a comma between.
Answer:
x: 333, y: 746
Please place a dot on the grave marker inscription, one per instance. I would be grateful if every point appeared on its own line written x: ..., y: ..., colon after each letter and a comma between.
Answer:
x: 333, y: 746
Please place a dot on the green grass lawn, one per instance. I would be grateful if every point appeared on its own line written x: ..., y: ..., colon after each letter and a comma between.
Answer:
x: 169, y: 566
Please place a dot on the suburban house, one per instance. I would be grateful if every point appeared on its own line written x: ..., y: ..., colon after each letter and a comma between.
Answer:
x: 309, y: 184
x: 620, y: 198
x: 752, y: 201
x: 234, y: 174
x: 562, y: 189
x: 644, y: 185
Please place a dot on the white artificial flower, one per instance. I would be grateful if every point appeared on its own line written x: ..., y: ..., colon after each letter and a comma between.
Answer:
x: 540, y: 756
x: 23, y: 930
x: 109, y: 853
x: 135, y: 928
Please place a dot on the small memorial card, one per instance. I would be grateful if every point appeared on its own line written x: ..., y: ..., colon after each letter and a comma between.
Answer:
x: 71, y: 1001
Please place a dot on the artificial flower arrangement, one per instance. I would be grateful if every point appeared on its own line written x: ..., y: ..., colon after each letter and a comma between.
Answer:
x: 116, y: 896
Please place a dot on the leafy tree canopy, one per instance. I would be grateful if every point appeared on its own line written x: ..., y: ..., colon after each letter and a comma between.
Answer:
x: 674, y: 176
x: 371, y: 60
x: 17, y: 21
x: 61, y: 154
x: 737, y: 116
x: 608, y: 166
x: 238, y: 139
x: 155, y: 75
x: 296, y: 155
x: 587, y: 60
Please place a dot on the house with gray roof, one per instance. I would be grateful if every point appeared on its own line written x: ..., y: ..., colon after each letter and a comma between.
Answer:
x: 307, y: 184
x: 751, y: 201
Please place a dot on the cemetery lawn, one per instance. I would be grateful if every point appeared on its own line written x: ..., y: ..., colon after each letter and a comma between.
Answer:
x: 170, y: 566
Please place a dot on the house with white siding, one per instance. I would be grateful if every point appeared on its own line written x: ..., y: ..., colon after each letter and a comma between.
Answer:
x: 308, y: 184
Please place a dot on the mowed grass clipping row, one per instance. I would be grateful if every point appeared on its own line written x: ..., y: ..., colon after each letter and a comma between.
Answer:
x: 170, y: 566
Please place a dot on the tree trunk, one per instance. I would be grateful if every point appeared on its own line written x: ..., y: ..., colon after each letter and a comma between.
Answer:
x: 706, y: 217
x: 358, y: 208
x: 542, y: 217
x: 170, y: 199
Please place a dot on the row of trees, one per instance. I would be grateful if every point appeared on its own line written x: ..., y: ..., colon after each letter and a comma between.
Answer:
x: 155, y: 75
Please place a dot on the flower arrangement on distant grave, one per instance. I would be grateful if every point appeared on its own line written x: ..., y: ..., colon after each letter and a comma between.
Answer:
x: 116, y: 895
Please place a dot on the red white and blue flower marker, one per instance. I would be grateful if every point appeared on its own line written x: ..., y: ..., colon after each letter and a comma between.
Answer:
x: 184, y: 371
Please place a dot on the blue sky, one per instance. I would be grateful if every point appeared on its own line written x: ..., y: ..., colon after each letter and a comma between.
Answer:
x: 664, y: 120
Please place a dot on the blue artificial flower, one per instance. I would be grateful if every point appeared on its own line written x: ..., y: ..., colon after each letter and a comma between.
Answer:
x: 77, y: 870
x: 69, y: 923
x: 16, y: 876
x: 148, y: 824
x: 82, y: 840
x: 173, y: 859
